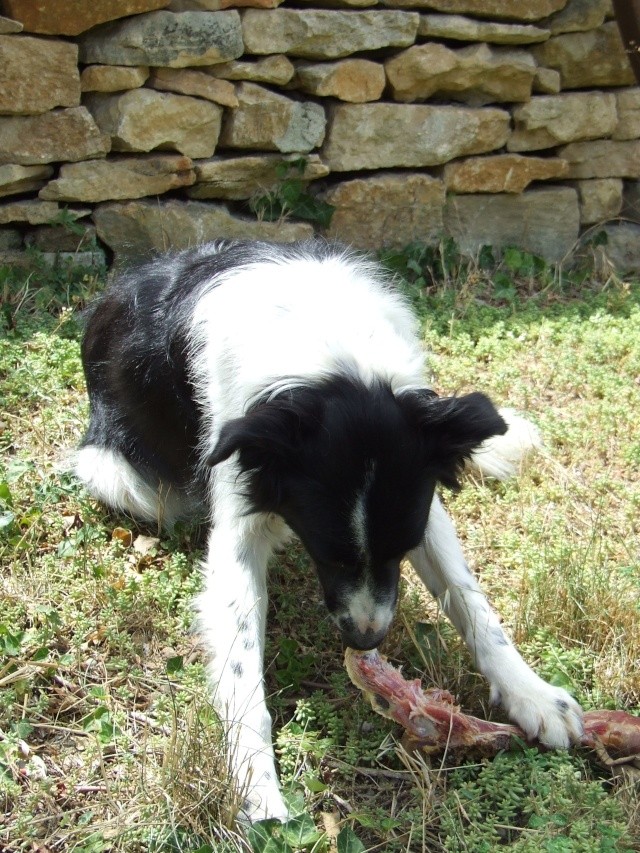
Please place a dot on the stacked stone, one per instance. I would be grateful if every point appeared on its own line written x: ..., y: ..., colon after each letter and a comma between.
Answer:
x: 153, y: 122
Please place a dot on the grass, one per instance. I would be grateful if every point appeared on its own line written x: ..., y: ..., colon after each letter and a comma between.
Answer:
x: 108, y: 741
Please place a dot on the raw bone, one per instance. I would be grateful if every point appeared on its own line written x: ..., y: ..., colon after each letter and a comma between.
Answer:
x: 434, y: 723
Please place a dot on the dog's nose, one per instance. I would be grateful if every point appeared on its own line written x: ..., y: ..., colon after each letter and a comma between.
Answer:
x: 361, y: 641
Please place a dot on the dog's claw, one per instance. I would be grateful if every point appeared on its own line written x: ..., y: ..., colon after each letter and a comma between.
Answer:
x: 544, y: 712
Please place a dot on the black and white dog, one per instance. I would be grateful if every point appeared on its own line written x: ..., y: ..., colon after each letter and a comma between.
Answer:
x: 281, y: 389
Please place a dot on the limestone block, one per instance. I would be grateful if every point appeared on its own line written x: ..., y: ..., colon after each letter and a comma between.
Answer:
x: 459, y: 28
x: 92, y: 259
x: 543, y: 221
x: 591, y: 59
x: 600, y: 199
x: 501, y: 173
x: 354, y: 80
x: 243, y: 177
x: 173, y: 39
x: 197, y: 83
x: 547, y: 81
x: 113, y: 78
x: 31, y: 212
x: 513, y: 10
x: 578, y: 16
x: 21, y: 179
x: 605, y: 158
x: 8, y: 25
x: 137, y: 229
x: 270, y: 122
x: 37, y: 75
x: 622, y: 249
x: 387, y: 210
x: 120, y: 178
x: 275, y: 69
x: 71, y: 17
x: 325, y: 34
x: 59, y: 135
x: 17, y: 260
x: 550, y: 120
x: 379, y: 136
x: 477, y: 74
x: 56, y: 238
x: 141, y: 120
x: 628, y: 126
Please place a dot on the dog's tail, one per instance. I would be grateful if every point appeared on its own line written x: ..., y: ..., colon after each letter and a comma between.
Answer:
x: 500, y: 457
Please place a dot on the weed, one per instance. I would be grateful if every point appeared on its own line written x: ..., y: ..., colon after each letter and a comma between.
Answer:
x: 291, y: 197
x: 68, y: 220
x: 292, y: 666
x: 45, y: 289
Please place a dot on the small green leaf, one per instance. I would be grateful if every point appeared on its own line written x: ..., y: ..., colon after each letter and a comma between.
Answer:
x: 41, y: 653
x: 11, y: 644
x: 22, y: 728
x: 265, y: 836
x: 100, y: 722
x: 5, y: 493
x: 561, y: 679
x: 486, y: 259
x: 17, y: 468
x: 66, y: 548
x: 175, y: 664
x: 313, y: 783
x: 366, y: 820
x: 348, y: 841
x: 85, y: 818
x: 301, y: 831
x: 291, y: 191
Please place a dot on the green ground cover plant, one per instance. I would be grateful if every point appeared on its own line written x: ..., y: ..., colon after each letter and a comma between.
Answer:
x: 108, y: 741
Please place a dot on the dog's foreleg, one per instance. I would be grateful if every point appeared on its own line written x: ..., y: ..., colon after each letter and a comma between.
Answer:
x: 232, y: 615
x: 545, y: 712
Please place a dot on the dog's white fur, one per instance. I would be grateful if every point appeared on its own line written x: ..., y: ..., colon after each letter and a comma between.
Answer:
x: 275, y: 327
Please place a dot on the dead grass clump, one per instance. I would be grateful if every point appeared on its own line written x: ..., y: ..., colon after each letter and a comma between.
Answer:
x: 202, y: 800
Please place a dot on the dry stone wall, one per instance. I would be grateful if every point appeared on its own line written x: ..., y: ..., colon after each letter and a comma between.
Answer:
x: 154, y: 123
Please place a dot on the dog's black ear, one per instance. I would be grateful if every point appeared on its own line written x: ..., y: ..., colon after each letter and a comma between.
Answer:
x: 270, y: 431
x: 234, y: 435
x: 454, y: 427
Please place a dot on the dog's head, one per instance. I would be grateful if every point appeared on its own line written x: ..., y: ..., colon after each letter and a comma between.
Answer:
x: 352, y: 470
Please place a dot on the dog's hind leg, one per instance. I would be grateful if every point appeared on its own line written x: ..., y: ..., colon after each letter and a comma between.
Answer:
x: 232, y: 614
x: 109, y: 478
x: 543, y: 711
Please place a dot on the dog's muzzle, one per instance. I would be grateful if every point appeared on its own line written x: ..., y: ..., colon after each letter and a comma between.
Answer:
x: 354, y: 638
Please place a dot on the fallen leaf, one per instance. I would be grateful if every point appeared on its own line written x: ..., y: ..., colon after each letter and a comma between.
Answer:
x: 145, y: 544
x: 122, y: 535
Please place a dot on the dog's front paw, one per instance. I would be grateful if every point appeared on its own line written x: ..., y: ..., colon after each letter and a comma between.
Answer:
x: 544, y: 712
x: 263, y: 802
